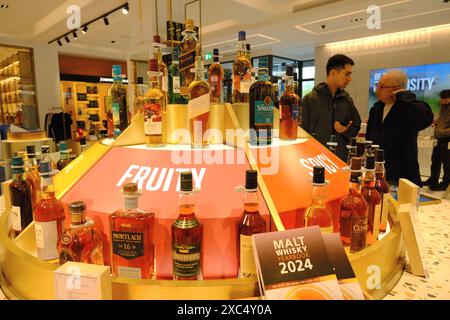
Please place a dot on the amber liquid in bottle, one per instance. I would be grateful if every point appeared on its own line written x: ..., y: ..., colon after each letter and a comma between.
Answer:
x: 242, y: 76
x: 370, y: 194
x: 261, y: 110
x: 32, y: 175
x: 162, y: 67
x: 132, y: 236
x: 199, y: 124
x: 382, y: 187
x: 289, y: 112
x: 186, y: 241
x: 215, y: 80
x: 187, y: 57
x: 64, y: 161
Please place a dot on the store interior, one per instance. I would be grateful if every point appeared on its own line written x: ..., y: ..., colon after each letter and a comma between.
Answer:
x: 56, y: 77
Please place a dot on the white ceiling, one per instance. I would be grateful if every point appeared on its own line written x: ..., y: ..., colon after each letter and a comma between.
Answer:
x: 271, y: 25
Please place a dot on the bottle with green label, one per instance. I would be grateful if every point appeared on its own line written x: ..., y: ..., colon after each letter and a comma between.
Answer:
x: 261, y: 108
x: 186, y: 234
x: 118, y: 93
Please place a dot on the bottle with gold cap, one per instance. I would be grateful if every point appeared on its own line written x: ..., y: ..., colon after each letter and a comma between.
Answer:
x: 132, y: 239
x: 162, y: 67
x: 187, y: 57
x: 186, y: 234
x: 81, y: 242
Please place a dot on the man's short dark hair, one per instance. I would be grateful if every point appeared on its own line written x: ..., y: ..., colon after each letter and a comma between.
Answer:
x: 444, y: 94
x: 338, y: 62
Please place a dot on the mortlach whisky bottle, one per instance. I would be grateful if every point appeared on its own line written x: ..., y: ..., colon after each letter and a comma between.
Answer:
x: 133, y: 251
x: 48, y: 216
x: 154, y: 108
x: 353, y: 212
x: 81, y: 242
x: 370, y: 194
x: 188, y: 56
x: 251, y: 222
x: 186, y: 235
x: 381, y: 184
x: 289, y: 108
x: 242, y: 76
x: 318, y: 214
x: 215, y: 79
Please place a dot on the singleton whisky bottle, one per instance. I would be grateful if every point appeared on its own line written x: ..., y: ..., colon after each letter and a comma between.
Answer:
x: 381, y: 184
x: 21, y: 197
x: 289, y: 108
x: 261, y: 109
x: 215, y: 76
x: 162, y: 68
x: 154, y: 108
x: 250, y: 222
x: 118, y: 94
x: 133, y: 251
x: 48, y: 216
x: 186, y: 235
x: 242, y: 76
x: 65, y: 156
x: 354, y: 212
x: 318, y: 214
x: 32, y: 173
x: 199, y: 107
x: 81, y: 242
x: 188, y: 57
x: 370, y: 194
x: 175, y: 96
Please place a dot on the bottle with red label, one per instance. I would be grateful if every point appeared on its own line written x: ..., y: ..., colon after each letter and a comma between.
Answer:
x: 154, y: 108
x: 216, y: 78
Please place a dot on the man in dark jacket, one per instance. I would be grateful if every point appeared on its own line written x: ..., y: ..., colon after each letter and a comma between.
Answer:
x: 394, y: 123
x: 329, y: 109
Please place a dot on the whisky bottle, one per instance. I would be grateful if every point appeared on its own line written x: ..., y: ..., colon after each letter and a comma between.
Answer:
x: 65, y: 156
x: 250, y: 222
x: 32, y: 173
x: 261, y: 109
x: 48, y: 216
x: 186, y: 235
x: 318, y: 214
x: 332, y: 144
x: 289, y: 108
x: 175, y: 96
x: 242, y: 77
x: 132, y: 236
x: 370, y: 194
x: 45, y: 156
x: 21, y: 197
x: 199, y: 107
x: 188, y: 57
x: 354, y: 212
x: 118, y: 94
x: 139, y: 97
x: 381, y: 184
x: 215, y: 76
x: 162, y: 68
x: 81, y: 242
x: 154, y: 108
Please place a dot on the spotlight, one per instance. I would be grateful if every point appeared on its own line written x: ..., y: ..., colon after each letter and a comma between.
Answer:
x: 125, y: 9
x: 85, y: 29
x: 105, y: 19
x: 67, y: 39
x: 60, y: 43
x: 75, y: 36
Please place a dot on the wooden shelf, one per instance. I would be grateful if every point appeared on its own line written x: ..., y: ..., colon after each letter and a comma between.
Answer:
x: 83, y: 101
x: 89, y: 95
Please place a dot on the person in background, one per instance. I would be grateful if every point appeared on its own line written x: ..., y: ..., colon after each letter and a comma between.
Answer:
x: 329, y: 109
x: 394, y: 124
x: 442, y: 134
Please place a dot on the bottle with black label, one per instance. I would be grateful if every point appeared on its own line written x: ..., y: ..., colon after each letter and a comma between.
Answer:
x: 186, y: 234
x: 132, y: 231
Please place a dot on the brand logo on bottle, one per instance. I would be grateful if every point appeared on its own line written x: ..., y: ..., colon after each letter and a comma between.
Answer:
x: 187, y: 60
x: 128, y: 245
x: 264, y: 111
x: 66, y: 239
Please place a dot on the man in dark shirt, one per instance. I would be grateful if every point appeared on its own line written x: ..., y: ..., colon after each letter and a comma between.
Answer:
x: 329, y: 109
x: 394, y: 123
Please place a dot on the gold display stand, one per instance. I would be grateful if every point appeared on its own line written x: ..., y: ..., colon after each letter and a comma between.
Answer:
x: 24, y: 276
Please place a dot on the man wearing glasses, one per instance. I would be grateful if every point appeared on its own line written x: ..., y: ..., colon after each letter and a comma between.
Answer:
x: 394, y: 123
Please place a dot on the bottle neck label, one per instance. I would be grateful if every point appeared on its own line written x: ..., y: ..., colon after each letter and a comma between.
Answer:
x: 131, y: 202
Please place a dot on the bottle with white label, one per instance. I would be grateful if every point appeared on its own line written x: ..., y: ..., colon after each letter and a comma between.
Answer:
x: 48, y: 216
x: 318, y: 214
x: 251, y: 222
x: 154, y: 108
x: 21, y: 198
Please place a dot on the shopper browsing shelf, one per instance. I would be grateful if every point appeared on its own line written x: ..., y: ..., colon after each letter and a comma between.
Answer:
x: 394, y: 123
x: 329, y: 109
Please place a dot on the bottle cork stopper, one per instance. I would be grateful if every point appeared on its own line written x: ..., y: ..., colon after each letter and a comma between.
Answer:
x: 356, y: 163
x: 130, y: 188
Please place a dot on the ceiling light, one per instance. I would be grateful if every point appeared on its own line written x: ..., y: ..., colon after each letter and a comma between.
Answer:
x: 59, y: 42
x: 125, y: 9
x: 4, y: 6
x: 113, y: 41
x: 67, y: 39
x: 75, y: 36
x: 85, y: 29
x: 106, y: 21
